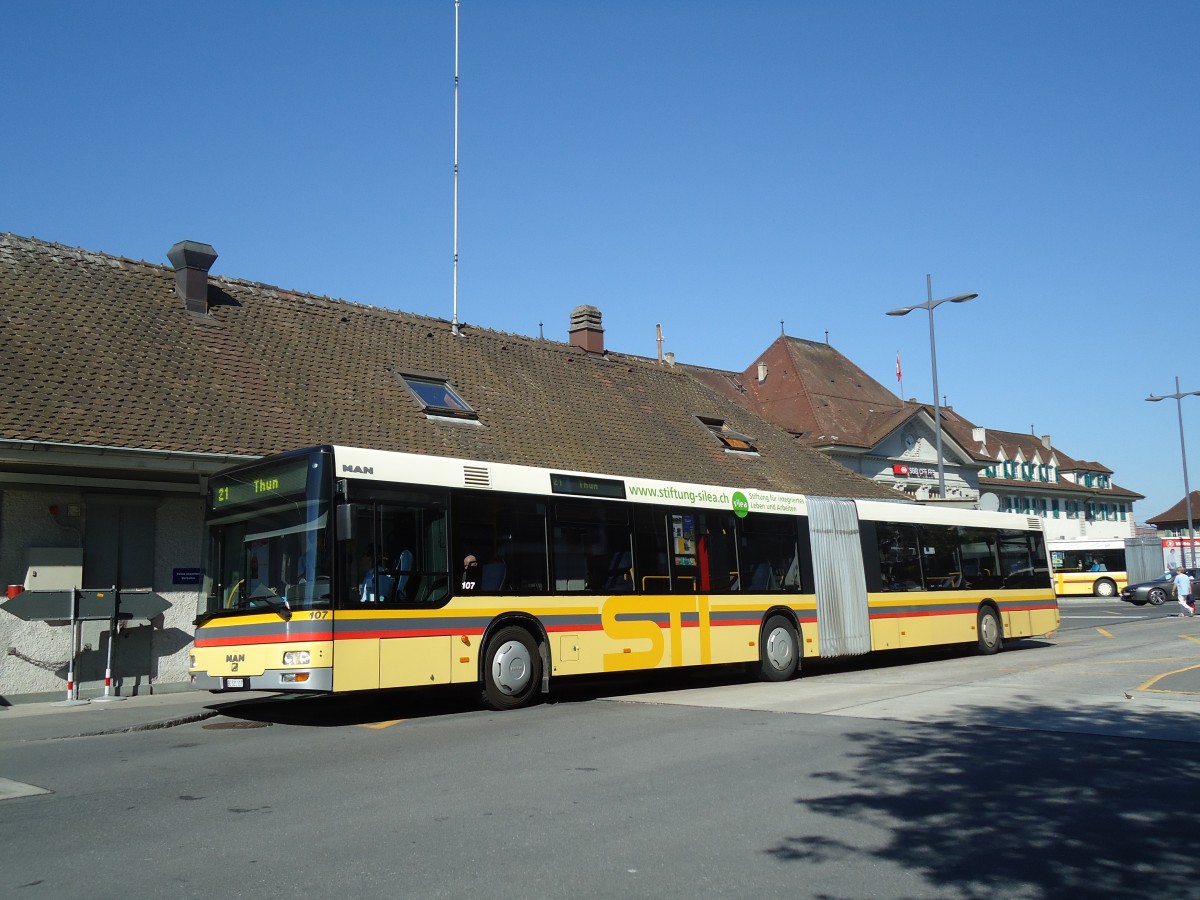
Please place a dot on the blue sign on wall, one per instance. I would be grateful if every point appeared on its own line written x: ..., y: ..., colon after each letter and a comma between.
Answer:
x: 185, y: 576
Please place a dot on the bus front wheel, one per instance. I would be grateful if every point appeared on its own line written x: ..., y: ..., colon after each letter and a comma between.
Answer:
x: 1105, y: 587
x: 512, y: 669
x: 779, y: 650
x: 991, y: 632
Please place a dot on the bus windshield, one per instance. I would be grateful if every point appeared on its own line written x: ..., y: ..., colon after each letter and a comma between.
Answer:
x: 269, y: 541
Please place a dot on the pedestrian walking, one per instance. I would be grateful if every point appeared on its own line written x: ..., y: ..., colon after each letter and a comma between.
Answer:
x: 1183, y: 592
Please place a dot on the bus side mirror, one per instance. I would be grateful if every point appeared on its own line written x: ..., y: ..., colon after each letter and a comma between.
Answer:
x: 345, y: 521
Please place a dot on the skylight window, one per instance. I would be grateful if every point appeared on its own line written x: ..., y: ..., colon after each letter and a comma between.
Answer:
x: 437, y: 396
x: 734, y: 441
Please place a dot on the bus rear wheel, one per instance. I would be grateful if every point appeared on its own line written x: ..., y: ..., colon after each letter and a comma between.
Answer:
x: 991, y: 632
x: 779, y: 650
x: 512, y: 669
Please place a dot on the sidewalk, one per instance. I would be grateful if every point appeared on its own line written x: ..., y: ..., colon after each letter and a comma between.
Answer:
x: 51, y: 721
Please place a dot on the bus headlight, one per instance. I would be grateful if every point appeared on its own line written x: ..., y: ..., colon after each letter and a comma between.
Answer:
x: 297, y: 658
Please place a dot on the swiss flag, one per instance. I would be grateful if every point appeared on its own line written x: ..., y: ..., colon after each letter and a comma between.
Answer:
x: 898, y: 377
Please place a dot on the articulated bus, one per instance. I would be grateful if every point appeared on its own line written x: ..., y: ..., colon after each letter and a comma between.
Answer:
x: 336, y: 569
x: 1088, y: 568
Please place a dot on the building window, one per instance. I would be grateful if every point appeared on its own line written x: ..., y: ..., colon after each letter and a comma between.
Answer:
x: 437, y: 396
x: 733, y: 441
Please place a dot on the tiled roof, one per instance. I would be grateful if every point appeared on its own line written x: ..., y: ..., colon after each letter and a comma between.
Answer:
x: 815, y: 392
x: 100, y: 351
x: 1177, y: 514
x: 1028, y: 446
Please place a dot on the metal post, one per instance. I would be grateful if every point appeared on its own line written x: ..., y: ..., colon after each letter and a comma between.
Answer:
x: 109, y: 696
x: 929, y: 305
x: 1187, y: 491
x: 1188, y: 549
x: 72, y: 687
x: 454, y: 324
x: 937, y: 410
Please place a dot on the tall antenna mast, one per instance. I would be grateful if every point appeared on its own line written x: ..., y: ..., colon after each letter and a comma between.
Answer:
x: 454, y: 324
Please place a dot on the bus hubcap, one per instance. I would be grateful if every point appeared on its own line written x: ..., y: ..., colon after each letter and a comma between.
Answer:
x: 779, y: 649
x: 511, y: 667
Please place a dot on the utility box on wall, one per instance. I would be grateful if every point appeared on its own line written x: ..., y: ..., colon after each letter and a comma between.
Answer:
x: 53, y: 568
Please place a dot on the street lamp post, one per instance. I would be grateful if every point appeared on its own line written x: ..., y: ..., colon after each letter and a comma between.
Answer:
x: 931, y: 305
x: 1187, y: 491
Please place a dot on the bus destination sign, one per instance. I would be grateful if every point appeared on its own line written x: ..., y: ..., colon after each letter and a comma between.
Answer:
x: 285, y: 480
x: 587, y: 487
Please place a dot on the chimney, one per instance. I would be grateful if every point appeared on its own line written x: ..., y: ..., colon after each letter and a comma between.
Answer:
x: 585, y: 330
x: 1046, y: 442
x: 192, y: 261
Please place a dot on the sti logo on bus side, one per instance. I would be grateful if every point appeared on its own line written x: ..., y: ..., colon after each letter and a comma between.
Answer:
x: 358, y: 470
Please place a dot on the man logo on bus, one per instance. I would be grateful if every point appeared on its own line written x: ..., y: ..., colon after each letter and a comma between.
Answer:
x: 741, y: 506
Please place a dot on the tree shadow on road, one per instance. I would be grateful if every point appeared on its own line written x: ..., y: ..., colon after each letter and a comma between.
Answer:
x: 981, y: 811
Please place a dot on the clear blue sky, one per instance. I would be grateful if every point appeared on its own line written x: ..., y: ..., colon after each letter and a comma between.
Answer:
x: 715, y: 167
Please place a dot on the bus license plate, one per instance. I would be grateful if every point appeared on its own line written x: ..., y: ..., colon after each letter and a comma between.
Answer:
x: 235, y: 683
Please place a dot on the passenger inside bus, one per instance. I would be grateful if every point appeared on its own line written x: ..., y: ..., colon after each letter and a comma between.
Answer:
x: 470, y: 580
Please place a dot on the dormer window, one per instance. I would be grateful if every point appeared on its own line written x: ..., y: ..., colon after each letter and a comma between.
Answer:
x: 437, y: 396
x: 734, y: 441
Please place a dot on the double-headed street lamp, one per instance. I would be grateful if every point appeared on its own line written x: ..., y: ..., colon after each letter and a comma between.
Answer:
x: 931, y: 305
x: 1187, y: 491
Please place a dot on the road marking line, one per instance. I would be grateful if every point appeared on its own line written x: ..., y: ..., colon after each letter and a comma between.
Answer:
x: 1157, y: 678
x: 1190, y: 637
x: 378, y: 725
x: 10, y: 789
x: 1104, y: 632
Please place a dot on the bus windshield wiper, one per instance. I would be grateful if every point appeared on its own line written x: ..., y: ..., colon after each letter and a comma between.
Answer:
x: 273, y: 600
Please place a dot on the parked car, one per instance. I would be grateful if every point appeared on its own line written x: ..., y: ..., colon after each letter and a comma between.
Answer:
x: 1155, y: 592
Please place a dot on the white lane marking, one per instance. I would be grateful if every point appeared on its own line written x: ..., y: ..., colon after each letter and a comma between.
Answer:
x: 10, y: 789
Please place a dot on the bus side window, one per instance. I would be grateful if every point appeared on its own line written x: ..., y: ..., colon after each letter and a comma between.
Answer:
x: 506, y: 534
x: 768, y: 559
x: 940, y: 560
x: 399, y: 554
x: 651, y: 542
x: 592, y: 547
x: 899, y: 560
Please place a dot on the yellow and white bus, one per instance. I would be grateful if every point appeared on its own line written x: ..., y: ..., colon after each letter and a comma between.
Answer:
x: 1088, y: 568
x: 339, y: 569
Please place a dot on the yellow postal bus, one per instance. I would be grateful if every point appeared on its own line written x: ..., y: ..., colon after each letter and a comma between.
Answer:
x: 1088, y: 568
x: 338, y: 569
